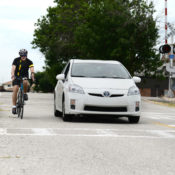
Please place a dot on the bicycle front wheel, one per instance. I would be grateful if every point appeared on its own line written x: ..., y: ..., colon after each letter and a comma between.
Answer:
x: 20, y: 104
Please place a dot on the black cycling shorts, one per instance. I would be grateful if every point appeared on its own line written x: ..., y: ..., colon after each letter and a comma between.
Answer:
x: 16, y: 82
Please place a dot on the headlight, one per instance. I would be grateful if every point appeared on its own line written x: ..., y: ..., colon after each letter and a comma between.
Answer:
x: 133, y: 91
x: 76, y: 89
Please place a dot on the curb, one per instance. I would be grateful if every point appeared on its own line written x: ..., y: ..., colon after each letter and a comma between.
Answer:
x: 163, y: 103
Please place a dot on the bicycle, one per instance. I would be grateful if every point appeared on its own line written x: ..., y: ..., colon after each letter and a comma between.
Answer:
x: 20, y: 98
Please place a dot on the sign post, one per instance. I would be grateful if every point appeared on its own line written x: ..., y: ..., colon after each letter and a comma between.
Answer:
x: 171, y: 58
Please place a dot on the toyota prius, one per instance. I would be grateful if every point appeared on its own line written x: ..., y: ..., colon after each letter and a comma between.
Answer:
x: 95, y: 87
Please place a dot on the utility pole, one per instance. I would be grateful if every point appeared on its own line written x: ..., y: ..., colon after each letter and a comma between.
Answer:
x: 166, y: 26
x: 168, y: 51
x: 171, y: 56
x: 171, y: 68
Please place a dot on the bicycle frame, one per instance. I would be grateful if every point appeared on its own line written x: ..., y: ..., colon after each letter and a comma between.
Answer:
x: 21, y: 86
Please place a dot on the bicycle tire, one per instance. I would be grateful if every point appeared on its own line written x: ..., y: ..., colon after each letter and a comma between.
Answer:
x: 22, y: 105
x: 20, y: 108
x: 18, y: 104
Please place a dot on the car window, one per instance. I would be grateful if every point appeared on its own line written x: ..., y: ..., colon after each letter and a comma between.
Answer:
x: 99, y: 70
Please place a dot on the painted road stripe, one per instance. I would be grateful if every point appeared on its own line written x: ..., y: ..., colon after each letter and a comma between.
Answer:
x: 158, y: 113
x: 83, y: 129
x: 159, y: 118
x: 155, y: 118
x: 150, y: 134
x: 165, y: 125
x: 163, y: 134
x: 86, y: 129
x: 41, y: 131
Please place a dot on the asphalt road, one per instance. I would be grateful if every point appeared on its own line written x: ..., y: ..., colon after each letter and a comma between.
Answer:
x: 42, y: 144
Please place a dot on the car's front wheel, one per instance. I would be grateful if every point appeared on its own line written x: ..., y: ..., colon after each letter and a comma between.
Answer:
x: 65, y: 116
x: 56, y: 112
x: 134, y: 119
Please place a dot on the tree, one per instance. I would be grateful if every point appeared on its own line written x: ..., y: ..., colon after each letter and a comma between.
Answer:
x: 43, y: 82
x: 54, y: 35
x: 122, y: 30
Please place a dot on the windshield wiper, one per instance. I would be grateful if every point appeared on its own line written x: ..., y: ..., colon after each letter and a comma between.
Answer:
x: 108, y: 77
x: 78, y: 76
x: 118, y: 77
x: 98, y: 77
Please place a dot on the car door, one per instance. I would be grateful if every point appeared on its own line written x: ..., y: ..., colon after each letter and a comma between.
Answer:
x: 61, y: 86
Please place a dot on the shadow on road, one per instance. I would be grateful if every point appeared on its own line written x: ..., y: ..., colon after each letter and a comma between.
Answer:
x: 100, y: 119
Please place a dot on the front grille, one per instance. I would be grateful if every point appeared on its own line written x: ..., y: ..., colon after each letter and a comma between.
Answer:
x: 117, y: 95
x: 137, y: 109
x: 100, y: 95
x: 105, y: 109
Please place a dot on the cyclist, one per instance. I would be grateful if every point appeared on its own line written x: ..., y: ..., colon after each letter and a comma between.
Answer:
x: 20, y: 68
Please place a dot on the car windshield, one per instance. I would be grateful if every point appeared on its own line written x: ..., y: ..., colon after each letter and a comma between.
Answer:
x: 99, y: 70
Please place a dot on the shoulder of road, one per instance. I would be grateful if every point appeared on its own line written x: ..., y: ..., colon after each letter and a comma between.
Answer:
x: 161, y: 100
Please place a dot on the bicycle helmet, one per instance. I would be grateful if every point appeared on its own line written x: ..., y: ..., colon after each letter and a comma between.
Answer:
x: 23, y: 52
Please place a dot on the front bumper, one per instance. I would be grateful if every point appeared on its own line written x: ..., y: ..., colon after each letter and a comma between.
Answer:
x: 87, y: 104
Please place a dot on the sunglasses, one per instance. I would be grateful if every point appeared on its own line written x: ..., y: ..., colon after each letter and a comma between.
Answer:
x: 23, y: 55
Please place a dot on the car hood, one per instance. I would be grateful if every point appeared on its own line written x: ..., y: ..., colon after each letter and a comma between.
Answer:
x: 103, y: 83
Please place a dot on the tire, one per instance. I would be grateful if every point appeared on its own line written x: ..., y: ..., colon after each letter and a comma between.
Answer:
x: 134, y: 119
x: 65, y: 117
x: 20, y: 104
x: 56, y: 112
x: 22, y: 112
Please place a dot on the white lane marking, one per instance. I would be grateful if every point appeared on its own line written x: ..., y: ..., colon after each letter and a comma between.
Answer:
x: 170, y: 118
x: 2, y: 105
x: 163, y: 134
x: 42, y: 131
x: 155, y: 118
x: 3, y: 131
x: 149, y: 134
x: 86, y: 129
x: 105, y: 132
x: 158, y: 113
x: 158, y: 116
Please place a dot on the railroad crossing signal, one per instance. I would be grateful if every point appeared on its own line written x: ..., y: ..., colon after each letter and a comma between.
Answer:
x: 166, y: 49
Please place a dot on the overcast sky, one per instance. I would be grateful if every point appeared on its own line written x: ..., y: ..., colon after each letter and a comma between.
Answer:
x: 17, y: 18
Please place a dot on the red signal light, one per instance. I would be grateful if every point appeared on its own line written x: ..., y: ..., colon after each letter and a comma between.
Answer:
x: 166, y: 48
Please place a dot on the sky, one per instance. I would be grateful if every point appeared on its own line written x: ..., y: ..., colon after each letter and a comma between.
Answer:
x: 160, y: 16
x: 17, y: 19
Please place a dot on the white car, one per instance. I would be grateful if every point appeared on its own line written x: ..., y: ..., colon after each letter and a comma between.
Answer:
x: 97, y: 87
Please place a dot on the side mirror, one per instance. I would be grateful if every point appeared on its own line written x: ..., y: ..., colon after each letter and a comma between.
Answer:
x: 136, y: 79
x: 60, y: 77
